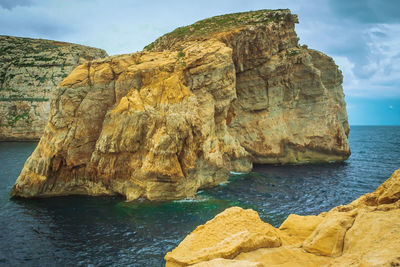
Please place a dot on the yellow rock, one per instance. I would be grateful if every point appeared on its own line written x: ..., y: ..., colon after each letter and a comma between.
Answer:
x: 227, y: 263
x: 78, y: 76
x: 300, y: 227
x: 217, y: 239
x: 327, y: 238
x: 363, y: 233
x: 205, y: 101
x: 287, y: 256
x: 373, y: 240
x: 389, y: 191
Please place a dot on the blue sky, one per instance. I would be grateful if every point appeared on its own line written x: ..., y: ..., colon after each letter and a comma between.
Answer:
x: 363, y: 36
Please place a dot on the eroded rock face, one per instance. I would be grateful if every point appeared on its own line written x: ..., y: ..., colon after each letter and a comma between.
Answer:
x: 244, y: 234
x: 290, y: 104
x: 143, y: 125
x: 365, y: 232
x: 29, y: 70
x: 205, y: 101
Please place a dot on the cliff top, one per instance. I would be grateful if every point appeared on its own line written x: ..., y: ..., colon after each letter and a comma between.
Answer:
x: 30, y: 51
x: 15, y: 40
x: 29, y: 66
x: 206, y: 27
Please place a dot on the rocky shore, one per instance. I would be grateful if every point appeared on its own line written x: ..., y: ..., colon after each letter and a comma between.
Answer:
x: 199, y: 102
x: 365, y: 232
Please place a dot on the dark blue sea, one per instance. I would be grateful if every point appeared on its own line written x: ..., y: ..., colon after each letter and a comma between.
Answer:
x: 104, y: 231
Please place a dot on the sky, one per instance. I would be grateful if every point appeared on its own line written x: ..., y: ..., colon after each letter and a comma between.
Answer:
x: 362, y: 36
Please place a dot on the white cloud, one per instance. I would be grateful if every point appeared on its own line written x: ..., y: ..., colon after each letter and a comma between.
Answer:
x: 381, y: 73
x: 350, y: 81
x: 384, y: 53
x: 367, y: 53
x: 374, y: 70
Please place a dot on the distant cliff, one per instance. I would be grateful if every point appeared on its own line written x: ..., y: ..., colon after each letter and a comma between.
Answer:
x: 199, y: 102
x: 29, y: 70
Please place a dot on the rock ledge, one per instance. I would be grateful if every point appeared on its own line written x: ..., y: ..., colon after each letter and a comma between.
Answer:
x: 365, y: 232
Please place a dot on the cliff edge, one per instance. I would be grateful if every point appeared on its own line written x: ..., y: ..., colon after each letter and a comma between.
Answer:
x: 197, y: 103
x: 29, y: 70
x: 365, y: 232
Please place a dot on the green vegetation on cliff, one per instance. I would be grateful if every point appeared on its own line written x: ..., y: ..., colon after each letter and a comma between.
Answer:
x: 12, y: 120
x: 227, y: 22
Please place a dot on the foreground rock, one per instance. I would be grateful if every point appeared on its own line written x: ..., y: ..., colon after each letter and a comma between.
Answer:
x: 208, y: 99
x: 365, y: 232
x: 29, y: 70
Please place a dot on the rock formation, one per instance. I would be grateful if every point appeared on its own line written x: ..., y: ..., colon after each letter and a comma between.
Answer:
x: 207, y: 99
x: 29, y: 70
x: 365, y: 232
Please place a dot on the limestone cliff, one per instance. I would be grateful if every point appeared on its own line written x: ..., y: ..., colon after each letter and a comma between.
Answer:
x: 29, y: 70
x: 365, y: 232
x: 208, y: 99
x: 290, y: 105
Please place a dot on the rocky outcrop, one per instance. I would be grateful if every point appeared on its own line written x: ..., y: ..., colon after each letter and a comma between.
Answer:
x: 290, y: 104
x: 29, y: 70
x: 208, y: 99
x: 365, y: 232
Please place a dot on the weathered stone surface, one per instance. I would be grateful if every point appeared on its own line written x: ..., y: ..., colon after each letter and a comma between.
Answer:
x: 133, y: 125
x: 291, y: 109
x: 29, y: 70
x: 206, y: 100
x: 227, y: 263
x: 216, y: 239
x: 290, y: 105
x: 287, y: 256
x: 298, y: 228
x: 364, y: 233
x: 327, y: 238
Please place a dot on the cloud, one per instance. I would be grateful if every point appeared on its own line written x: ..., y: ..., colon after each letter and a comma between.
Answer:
x: 367, y: 11
x: 10, y: 4
x: 383, y: 60
x: 34, y: 21
x: 361, y: 35
x: 384, y: 52
x: 366, y: 51
x: 350, y: 81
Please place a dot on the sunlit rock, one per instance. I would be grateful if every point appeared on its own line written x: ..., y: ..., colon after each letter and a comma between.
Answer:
x: 199, y: 102
x: 365, y: 232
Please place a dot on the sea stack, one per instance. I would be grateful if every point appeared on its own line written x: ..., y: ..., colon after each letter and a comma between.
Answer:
x: 29, y: 70
x: 199, y: 102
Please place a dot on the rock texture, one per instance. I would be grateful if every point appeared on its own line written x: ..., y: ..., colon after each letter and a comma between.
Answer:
x: 290, y: 105
x: 365, y: 232
x: 208, y: 99
x: 29, y: 70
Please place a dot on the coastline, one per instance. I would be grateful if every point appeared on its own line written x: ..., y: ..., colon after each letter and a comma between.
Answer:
x: 334, y: 238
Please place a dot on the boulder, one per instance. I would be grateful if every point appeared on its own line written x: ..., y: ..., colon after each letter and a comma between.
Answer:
x: 362, y: 233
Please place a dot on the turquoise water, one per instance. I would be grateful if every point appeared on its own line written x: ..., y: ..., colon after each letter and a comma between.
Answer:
x: 109, y: 231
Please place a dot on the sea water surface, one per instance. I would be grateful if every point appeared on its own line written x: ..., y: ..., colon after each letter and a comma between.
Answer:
x: 104, y: 231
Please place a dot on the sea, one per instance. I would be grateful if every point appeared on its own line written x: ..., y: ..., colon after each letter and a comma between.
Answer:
x: 108, y: 231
